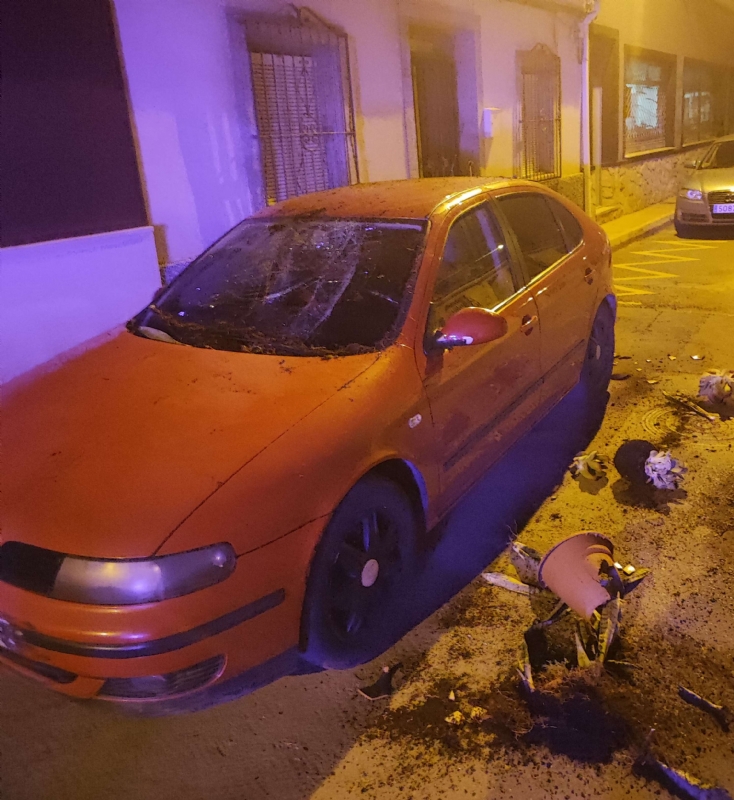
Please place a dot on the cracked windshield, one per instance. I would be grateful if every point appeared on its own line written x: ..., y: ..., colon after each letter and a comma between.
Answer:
x: 294, y: 287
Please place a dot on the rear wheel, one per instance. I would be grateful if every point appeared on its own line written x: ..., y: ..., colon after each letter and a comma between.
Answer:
x: 365, y: 561
x: 599, y: 361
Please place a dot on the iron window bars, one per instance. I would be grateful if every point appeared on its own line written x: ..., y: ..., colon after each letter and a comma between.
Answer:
x: 538, y: 155
x: 301, y: 86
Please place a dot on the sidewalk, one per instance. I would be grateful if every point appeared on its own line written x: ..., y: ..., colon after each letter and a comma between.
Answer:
x: 641, y: 223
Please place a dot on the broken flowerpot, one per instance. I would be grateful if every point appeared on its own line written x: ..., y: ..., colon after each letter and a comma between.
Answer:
x: 630, y: 460
x: 572, y: 570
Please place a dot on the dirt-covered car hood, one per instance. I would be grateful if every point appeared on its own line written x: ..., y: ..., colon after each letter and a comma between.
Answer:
x: 107, y: 454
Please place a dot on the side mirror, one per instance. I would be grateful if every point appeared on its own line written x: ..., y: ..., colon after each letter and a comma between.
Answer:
x: 471, y: 326
x: 691, y: 164
x: 157, y: 294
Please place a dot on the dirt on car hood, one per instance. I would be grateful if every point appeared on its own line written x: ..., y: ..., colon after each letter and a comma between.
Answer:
x: 105, y: 455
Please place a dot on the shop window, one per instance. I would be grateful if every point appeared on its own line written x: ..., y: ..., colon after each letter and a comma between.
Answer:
x: 649, y: 101
x: 704, y: 101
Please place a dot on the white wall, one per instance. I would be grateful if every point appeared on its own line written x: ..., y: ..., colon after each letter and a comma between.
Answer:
x: 57, y: 295
x: 186, y: 69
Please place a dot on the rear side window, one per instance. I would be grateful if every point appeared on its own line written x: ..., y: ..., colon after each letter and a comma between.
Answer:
x: 538, y: 234
x: 569, y: 224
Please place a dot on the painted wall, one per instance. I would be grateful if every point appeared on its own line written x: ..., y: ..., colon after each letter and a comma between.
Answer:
x: 57, y: 295
x: 693, y: 28
x: 186, y: 70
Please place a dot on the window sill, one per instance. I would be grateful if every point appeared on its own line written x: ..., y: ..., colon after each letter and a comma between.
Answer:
x: 657, y: 151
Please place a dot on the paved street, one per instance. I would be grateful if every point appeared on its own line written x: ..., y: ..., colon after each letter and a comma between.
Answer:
x: 314, y: 737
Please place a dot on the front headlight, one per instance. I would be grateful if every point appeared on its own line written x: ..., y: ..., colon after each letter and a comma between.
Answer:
x: 691, y: 194
x: 133, y: 582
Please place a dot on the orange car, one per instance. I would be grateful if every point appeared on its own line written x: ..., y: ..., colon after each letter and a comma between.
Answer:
x: 251, y: 465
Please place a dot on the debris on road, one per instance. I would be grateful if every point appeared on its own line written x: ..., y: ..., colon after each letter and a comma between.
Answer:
x: 664, y: 471
x: 671, y: 357
x: 698, y: 358
x: 589, y: 465
x: 721, y: 714
x: 620, y: 376
x: 689, y: 405
x: 511, y: 584
x: 716, y: 386
x: 679, y: 783
x: 382, y: 687
x: 608, y: 628
x: 456, y: 718
x: 526, y: 561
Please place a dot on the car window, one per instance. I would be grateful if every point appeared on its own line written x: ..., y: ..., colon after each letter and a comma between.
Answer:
x: 538, y: 234
x: 475, y: 268
x: 569, y: 224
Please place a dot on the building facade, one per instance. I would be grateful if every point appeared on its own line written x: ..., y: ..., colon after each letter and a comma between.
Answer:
x: 662, y: 78
x: 144, y: 129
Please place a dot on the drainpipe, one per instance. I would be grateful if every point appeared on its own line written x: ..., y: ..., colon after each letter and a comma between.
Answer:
x: 586, y: 102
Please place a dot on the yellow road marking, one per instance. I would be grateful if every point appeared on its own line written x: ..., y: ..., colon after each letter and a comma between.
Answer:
x: 645, y: 274
x: 628, y: 291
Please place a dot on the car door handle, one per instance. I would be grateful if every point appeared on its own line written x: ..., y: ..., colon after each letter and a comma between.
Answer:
x: 589, y: 275
x: 528, y: 323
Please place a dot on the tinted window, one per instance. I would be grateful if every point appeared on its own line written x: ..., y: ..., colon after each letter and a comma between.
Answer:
x: 294, y: 286
x: 569, y: 224
x: 538, y: 234
x: 475, y: 269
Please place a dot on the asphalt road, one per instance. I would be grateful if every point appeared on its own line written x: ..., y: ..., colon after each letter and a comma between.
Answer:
x: 313, y: 736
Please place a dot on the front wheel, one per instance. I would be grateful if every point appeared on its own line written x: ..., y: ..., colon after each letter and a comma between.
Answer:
x: 599, y: 361
x: 364, y: 562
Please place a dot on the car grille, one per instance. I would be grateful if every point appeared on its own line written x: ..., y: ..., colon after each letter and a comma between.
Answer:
x: 686, y: 217
x: 44, y: 670
x: 721, y: 197
x: 173, y: 683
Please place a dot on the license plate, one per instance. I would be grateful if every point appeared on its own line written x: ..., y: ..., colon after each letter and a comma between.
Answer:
x: 724, y: 208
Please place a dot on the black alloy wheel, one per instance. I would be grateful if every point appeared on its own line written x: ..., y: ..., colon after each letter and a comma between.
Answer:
x: 365, y: 562
x: 599, y: 361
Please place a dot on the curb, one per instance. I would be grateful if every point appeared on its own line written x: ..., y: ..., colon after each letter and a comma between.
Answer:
x: 626, y: 237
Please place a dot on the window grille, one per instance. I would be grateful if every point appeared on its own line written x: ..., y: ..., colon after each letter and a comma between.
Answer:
x: 539, y: 123
x: 648, y: 123
x: 303, y: 104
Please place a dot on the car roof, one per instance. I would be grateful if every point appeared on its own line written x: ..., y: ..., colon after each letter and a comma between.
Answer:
x: 403, y: 199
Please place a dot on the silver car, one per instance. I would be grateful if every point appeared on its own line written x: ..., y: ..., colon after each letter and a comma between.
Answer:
x: 706, y: 199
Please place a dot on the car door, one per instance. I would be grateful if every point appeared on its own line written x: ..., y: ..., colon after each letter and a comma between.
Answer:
x: 560, y: 279
x: 479, y: 395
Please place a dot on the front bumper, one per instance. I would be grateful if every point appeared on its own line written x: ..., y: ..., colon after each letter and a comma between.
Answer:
x: 164, y: 650
x: 700, y: 212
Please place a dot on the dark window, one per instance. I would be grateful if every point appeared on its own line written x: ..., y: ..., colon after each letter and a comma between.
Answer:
x: 539, y: 132
x: 67, y: 158
x: 569, y: 224
x: 704, y: 101
x: 293, y: 286
x: 540, y: 238
x: 475, y: 270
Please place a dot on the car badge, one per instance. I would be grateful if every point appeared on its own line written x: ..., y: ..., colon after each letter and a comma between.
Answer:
x: 413, y: 422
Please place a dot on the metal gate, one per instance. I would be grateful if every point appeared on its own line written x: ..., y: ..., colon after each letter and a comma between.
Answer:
x: 539, y: 124
x: 303, y: 104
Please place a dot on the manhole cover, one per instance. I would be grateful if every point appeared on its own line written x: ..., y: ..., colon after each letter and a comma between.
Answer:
x: 667, y: 420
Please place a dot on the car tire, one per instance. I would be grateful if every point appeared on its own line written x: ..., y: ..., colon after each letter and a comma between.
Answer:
x: 366, y: 560
x: 599, y: 361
